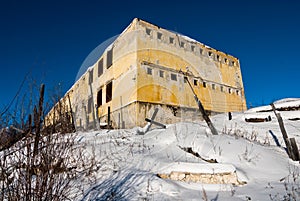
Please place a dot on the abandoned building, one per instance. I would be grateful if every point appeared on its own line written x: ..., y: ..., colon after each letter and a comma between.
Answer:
x: 146, y: 68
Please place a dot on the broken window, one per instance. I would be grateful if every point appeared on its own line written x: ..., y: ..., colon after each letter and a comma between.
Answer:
x: 109, y: 92
x: 159, y: 35
x: 148, y: 31
x: 90, y: 105
x: 173, y: 77
x: 161, y: 73
x: 149, y: 71
x: 171, y: 39
x: 100, y: 67
x: 109, y: 59
x: 99, y: 98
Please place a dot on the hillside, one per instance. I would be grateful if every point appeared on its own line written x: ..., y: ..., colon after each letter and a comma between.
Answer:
x: 246, y: 161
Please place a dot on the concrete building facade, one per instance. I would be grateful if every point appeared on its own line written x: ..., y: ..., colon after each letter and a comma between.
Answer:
x: 141, y: 71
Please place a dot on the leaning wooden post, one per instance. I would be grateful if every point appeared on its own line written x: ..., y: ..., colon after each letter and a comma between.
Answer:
x: 284, y: 134
x: 202, y: 110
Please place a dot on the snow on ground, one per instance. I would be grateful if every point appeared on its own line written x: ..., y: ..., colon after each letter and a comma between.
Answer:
x: 130, y: 162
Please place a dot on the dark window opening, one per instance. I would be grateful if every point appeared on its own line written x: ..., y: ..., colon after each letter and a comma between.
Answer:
x: 213, y: 86
x: 109, y: 92
x: 173, y: 77
x: 185, y: 79
x: 237, y: 92
x: 90, y: 105
x: 100, y: 67
x: 161, y: 73
x: 229, y: 90
x: 159, y: 35
x: 171, y: 40
x: 222, y: 88
x: 193, y: 48
x: 195, y: 82
x: 149, y: 71
x: 182, y: 44
x: 201, y: 51
x: 99, y: 98
x: 109, y: 59
x: 204, y: 84
x: 148, y: 31
x: 225, y: 60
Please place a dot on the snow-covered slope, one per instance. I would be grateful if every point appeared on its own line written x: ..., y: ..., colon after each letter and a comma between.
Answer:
x: 130, y: 163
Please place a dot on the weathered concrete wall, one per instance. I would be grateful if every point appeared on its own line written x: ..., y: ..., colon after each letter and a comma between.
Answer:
x: 141, y: 48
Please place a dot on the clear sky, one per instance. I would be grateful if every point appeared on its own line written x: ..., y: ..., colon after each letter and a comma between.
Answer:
x: 50, y: 39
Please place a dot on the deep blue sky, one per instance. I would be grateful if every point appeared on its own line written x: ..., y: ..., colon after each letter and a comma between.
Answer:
x: 50, y: 39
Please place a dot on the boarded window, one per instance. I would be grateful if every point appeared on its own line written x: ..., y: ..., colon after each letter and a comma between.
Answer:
x: 90, y: 105
x: 91, y: 72
x: 100, y: 67
x: 161, y: 73
x: 109, y: 92
x: 109, y: 59
x: 173, y: 77
x: 99, y: 98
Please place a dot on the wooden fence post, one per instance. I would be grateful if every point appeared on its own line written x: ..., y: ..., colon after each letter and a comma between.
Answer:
x: 292, y: 150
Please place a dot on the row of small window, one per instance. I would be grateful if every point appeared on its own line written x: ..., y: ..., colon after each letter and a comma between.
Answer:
x: 196, y: 82
x: 193, y: 48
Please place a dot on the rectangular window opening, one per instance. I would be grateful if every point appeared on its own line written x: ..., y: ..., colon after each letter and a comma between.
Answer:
x: 195, y: 82
x: 159, y: 35
x: 173, y: 77
x: 109, y: 59
x: 204, y: 84
x: 171, y: 40
x: 237, y: 92
x: 148, y: 31
x: 161, y: 73
x: 185, y: 78
x: 229, y: 90
x: 192, y: 48
x: 99, y: 98
x: 213, y: 86
x: 182, y: 44
x: 100, y: 67
x: 109, y: 92
x: 222, y: 88
x: 149, y: 71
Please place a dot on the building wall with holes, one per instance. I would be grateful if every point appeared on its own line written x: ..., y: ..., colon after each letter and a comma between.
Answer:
x: 141, y: 70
